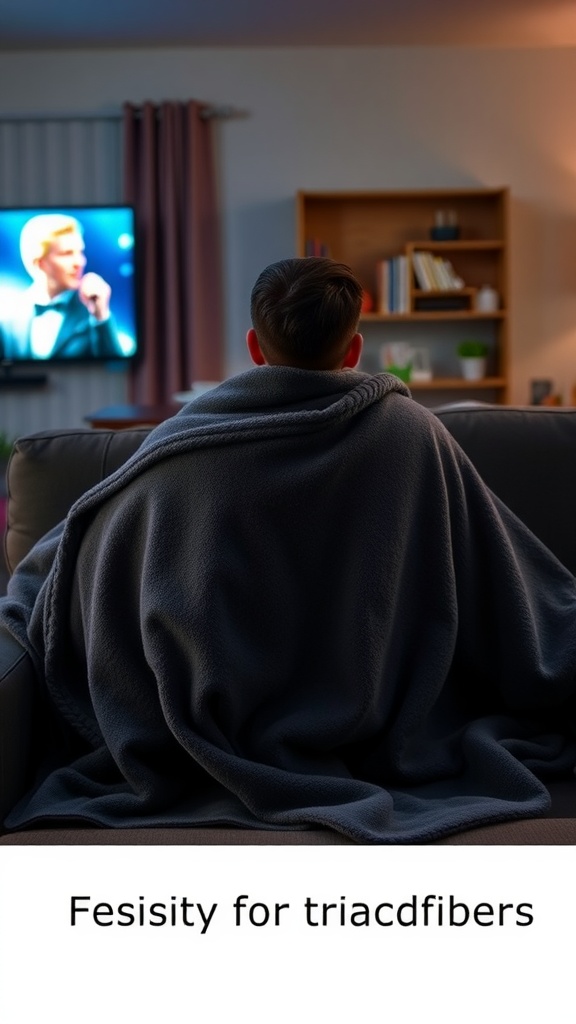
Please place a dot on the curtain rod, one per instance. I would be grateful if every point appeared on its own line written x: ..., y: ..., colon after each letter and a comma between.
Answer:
x: 222, y: 112
x: 208, y: 111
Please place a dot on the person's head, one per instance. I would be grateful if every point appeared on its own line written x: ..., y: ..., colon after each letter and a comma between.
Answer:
x: 305, y: 313
x: 52, y: 250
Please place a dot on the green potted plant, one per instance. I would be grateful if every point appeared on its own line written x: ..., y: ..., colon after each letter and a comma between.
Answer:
x: 472, y: 355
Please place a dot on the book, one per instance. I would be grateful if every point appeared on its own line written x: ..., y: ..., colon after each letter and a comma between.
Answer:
x: 402, y: 294
x: 382, y: 286
x: 421, y: 274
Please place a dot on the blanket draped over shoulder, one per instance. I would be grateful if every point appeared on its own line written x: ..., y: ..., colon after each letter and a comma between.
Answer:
x: 297, y: 605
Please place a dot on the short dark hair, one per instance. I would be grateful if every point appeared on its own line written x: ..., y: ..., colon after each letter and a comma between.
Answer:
x: 305, y: 311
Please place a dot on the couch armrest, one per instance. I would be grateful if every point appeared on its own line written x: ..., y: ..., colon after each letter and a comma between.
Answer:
x: 16, y: 697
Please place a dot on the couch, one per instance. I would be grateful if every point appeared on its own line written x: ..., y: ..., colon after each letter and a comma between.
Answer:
x: 523, y: 453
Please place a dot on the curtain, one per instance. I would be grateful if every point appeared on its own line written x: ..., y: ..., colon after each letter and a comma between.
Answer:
x: 169, y: 178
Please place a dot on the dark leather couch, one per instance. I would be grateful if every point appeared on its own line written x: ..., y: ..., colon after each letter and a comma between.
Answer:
x: 524, y: 455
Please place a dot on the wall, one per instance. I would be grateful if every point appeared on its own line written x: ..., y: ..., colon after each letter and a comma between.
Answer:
x: 363, y: 118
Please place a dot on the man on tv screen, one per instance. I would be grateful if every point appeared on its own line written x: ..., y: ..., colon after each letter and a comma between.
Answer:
x: 65, y: 313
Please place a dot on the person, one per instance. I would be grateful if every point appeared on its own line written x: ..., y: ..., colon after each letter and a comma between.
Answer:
x: 297, y: 605
x: 65, y: 313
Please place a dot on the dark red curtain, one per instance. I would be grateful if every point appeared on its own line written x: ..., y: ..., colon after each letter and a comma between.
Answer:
x: 170, y: 179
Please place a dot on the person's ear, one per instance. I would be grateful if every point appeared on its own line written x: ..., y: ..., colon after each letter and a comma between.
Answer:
x: 352, y: 357
x: 256, y: 354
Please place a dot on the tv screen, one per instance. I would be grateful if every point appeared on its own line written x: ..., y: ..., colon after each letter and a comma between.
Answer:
x: 67, y: 284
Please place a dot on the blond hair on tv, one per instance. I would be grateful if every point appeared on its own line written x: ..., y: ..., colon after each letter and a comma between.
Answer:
x: 38, y: 234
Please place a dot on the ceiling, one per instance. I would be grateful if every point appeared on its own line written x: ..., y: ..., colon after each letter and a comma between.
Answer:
x: 36, y: 24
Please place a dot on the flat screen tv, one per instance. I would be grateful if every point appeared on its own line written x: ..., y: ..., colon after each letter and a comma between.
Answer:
x: 67, y: 285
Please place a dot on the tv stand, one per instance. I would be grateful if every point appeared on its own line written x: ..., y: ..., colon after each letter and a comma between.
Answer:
x: 10, y: 379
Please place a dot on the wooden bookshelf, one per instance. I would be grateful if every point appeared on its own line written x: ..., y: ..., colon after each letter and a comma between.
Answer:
x: 363, y: 229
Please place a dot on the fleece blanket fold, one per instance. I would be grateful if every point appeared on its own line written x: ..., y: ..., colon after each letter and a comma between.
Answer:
x: 297, y: 605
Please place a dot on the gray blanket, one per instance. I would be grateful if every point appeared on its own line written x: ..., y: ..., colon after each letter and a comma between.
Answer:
x: 297, y: 605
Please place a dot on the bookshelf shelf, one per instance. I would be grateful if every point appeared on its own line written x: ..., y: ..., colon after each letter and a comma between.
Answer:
x: 370, y: 230
x: 458, y: 384
x: 448, y: 314
x: 460, y: 245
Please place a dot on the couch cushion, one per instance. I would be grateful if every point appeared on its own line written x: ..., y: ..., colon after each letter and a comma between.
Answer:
x: 49, y: 471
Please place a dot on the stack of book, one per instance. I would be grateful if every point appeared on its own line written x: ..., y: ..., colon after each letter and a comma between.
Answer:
x: 435, y: 274
x: 316, y: 247
x: 393, y: 285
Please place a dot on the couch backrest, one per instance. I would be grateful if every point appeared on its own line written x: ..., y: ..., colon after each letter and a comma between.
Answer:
x: 523, y: 453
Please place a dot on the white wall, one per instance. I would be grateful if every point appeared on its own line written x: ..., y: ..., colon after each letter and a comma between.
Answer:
x: 363, y: 118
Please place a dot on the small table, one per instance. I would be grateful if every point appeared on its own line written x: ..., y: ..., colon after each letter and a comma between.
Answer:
x: 123, y: 417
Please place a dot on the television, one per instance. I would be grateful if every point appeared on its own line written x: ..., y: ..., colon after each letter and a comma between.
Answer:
x: 67, y: 286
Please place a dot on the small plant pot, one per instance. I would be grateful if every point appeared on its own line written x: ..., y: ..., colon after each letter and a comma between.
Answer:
x: 473, y: 367
x: 445, y: 233
x: 403, y: 372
